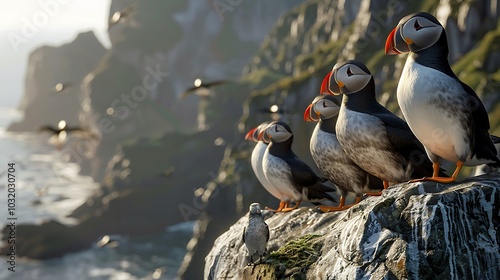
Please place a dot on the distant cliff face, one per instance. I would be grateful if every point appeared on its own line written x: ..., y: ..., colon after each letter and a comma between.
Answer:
x: 47, y: 66
x: 413, y: 231
x: 158, y: 49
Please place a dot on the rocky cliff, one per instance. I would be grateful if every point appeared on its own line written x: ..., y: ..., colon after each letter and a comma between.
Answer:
x: 413, y: 231
x: 68, y: 64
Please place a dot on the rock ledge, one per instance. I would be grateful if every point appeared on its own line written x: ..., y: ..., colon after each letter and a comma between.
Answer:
x: 413, y: 231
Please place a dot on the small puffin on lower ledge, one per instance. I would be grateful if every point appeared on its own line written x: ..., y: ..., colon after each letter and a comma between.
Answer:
x: 256, y: 233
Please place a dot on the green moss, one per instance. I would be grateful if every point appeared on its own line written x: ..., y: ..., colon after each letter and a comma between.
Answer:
x: 302, y: 252
x: 262, y: 76
x: 476, y: 58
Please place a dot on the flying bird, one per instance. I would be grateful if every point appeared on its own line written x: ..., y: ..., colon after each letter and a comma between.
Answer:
x: 201, y: 88
x: 445, y: 114
x: 256, y: 233
x: 374, y: 138
x: 331, y: 159
x: 288, y: 173
x: 60, y: 134
x: 256, y: 162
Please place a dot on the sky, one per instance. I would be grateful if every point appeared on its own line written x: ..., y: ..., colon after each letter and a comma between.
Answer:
x: 28, y: 24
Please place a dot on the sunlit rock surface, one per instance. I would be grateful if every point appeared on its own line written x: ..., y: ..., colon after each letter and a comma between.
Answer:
x: 413, y: 231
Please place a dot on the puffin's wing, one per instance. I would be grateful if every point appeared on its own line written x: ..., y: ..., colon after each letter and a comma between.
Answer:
x: 302, y: 174
x: 400, y: 135
x: 479, y: 114
x: 481, y: 124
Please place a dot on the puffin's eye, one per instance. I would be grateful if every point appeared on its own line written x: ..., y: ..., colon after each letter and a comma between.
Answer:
x: 276, y: 128
x: 349, y: 72
x: 324, y: 104
x: 417, y: 26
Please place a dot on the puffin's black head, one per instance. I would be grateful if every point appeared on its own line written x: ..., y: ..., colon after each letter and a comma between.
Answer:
x: 276, y: 132
x: 253, y: 134
x: 414, y: 33
x: 323, y: 106
x: 346, y: 78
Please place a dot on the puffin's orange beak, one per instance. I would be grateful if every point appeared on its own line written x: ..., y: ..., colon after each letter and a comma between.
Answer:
x: 390, y: 48
x: 325, y: 85
x: 395, y: 44
x: 249, y: 135
x: 307, y: 114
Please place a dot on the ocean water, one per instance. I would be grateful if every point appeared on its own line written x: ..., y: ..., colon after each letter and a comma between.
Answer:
x: 48, y: 187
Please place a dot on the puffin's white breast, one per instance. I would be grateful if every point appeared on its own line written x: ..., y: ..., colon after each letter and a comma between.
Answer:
x: 256, y: 161
x: 278, y: 173
x: 437, y: 110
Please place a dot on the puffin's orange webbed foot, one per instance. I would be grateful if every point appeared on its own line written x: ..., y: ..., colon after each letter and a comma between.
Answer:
x: 373, y: 193
x: 280, y: 207
x: 288, y: 209
x: 340, y: 207
x: 438, y: 179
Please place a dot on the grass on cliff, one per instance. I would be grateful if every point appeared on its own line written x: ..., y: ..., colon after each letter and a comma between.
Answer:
x: 302, y: 252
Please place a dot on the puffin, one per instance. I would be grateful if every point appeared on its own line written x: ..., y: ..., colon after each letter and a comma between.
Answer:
x: 288, y: 173
x: 331, y: 159
x: 444, y: 113
x: 256, y: 233
x: 376, y: 140
x: 256, y: 162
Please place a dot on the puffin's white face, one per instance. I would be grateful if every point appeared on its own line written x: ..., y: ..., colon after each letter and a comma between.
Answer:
x: 420, y: 33
x: 278, y: 133
x: 414, y: 33
x: 349, y: 78
x: 255, y: 208
x: 326, y: 108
